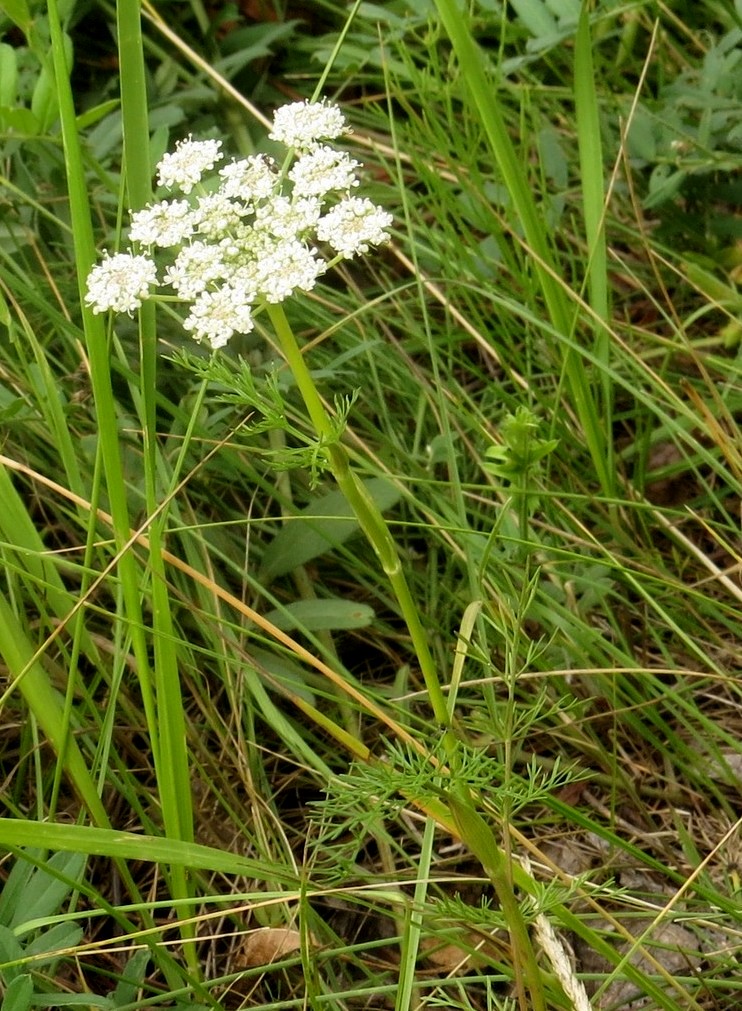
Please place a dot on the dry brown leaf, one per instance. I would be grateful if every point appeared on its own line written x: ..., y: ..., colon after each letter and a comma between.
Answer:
x: 451, y: 957
x: 266, y: 945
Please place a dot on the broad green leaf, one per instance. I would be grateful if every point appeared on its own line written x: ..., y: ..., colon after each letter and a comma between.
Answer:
x: 19, y: 14
x: 641, y: 139
x: 245, y: 45
x: 322, y: 526
x: 41, y: 890
x: 8, y: 74
x: 565, y: 10
x: 5, y: 317
x: 10, y: 950
x: 553, y: 157
x: 325, y: 613
x: 94, y: 115
x: 287, y: 678
x: 44, y: 103
x: 14, y: 888
x: 712, y: 287
x: 535, y: 16
x: 289, y: 675
x: 18, y: 994
x: 50, y: 942
x: 664, y: 183
x: 131, y: 978
x: 44, y: 98
x: 19, y: 120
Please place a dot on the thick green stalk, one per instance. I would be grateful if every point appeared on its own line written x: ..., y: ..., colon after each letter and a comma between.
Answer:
x: 478, y: 836
x: 367, y: 513
x: 593, y: 200
x: 173, y: 773
x: 98, y: 357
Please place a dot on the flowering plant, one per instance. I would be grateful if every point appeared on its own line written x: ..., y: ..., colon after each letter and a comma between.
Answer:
x: 243, y: 239
x: 247, y: 235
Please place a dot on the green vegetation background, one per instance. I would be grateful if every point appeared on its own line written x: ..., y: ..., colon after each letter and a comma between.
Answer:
x: 223, y: 782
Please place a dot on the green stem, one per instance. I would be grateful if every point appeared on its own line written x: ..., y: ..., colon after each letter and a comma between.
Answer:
x: 367, y: 513
x: 478, y: 836
x: 169, y: 730
x: 98, y: 356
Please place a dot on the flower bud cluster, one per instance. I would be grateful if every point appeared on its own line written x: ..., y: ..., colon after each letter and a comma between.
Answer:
x: 247, y: 234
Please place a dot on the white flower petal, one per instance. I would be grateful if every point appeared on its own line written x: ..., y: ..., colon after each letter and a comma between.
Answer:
x: 304, y: 124
x: 164, y: 224
x: 249, y: 179
x: 353, y: 225
x: 323, y: 170
x: 216, y: 315
x: 216, y: 214
x: 288, y: 219
x: 120, y: 282
x: 289, y: 266
x: 195, y: 267
x: 184, y: 167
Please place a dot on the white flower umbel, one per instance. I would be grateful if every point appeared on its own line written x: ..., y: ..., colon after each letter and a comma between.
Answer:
x: 303, y: 125
x: 249, y: 179
x: 244, y: 236
x: 196, y: 266
x: 216, y: 315
x: 290, y: 267
x: 322, y: 171
x: 288, y: 219
x: 184, y: 167
x: 353, y: 225
x: 121, y: 282
x: 164, y: 224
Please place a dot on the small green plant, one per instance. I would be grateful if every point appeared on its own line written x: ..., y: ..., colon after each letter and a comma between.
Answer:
x: 688, y: 143
x: 247, y: 246
x: 518, y: 460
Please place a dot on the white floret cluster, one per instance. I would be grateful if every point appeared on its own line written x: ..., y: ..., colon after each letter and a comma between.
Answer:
x: 248, y: 234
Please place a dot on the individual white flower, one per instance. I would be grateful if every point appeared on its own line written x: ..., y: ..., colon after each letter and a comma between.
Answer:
x: 184, y: 167
x: 164, y: 224
x: 323, y: 170
x: 304, y: 124
x: 120, y: 282
x: 249, y: 179
x: 287, y: 267
x: 216, y: 214
x: 288, y: 219
x: 216, y: 315
x: 353, y: 225
x: 194, y: 268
